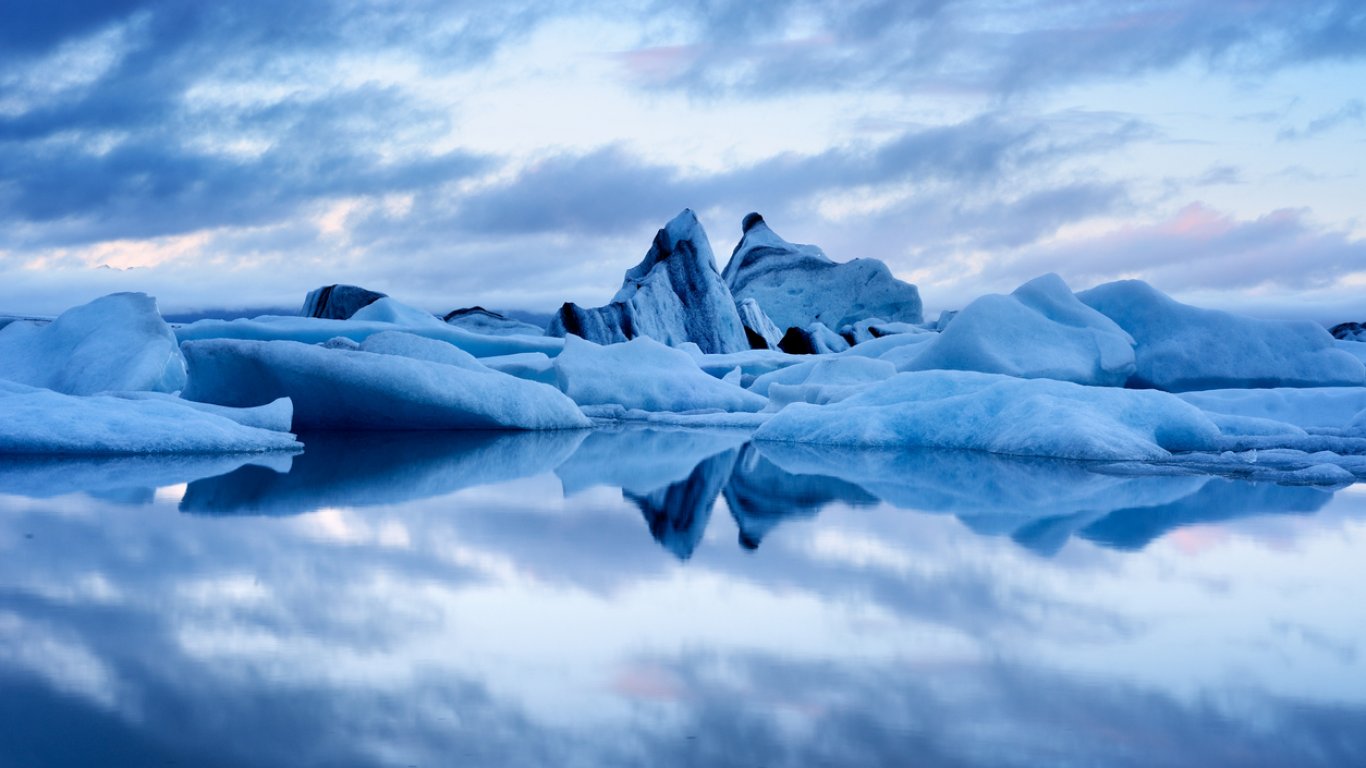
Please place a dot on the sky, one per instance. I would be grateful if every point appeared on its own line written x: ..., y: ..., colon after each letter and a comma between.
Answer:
x: 520, y: 154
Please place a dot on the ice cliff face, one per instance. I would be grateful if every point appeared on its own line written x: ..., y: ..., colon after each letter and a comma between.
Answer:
x: 674, y: 295
x: 797, y: 285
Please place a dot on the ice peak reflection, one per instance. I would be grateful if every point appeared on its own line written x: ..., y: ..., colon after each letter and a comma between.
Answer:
x: 674, y: 477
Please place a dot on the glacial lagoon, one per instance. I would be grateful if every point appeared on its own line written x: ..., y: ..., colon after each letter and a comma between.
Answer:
x: 660, y: 597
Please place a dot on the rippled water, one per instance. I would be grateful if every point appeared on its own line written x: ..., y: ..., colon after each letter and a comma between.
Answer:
x: 671, y: 598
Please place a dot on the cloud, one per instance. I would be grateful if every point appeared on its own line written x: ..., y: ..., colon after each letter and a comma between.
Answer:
x: 1201, y: 249
x: 1350, y: 113
x: 984, y: 47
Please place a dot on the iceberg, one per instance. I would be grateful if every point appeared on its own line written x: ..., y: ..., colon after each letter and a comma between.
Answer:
x: 674, y: 295
x: 346, y: 389
x: 337, y: 302
x: 1002, y: 414
x: 1181, y: 348
x: 798, y: 285
x: 643, y: 374
x: 115, y: 343
x: 41, y: 421
x: 489, y: 323
x: 311, y: 330
x: 1041, y: 331
x: 822, y: 380
x: 1332, y: 409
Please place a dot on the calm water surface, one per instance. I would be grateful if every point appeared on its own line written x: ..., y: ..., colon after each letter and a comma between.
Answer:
x: 671, y: 598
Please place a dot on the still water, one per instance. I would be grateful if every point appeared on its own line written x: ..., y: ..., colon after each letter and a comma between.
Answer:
x: 671, y: 598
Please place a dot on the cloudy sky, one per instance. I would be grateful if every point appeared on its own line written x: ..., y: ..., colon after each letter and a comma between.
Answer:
x: 517, y: 155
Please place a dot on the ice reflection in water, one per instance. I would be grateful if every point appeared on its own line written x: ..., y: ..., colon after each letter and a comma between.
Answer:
x: 494, y: 600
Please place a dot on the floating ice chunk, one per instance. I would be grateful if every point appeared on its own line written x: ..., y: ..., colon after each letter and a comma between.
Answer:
x: 875, y: 328
x: 1332, y: 408
x: 896, y: 349
x: 340, y: 389
x: 387, y: 310
x: 489, y: 323
x: 532, y: 366
x: 1041, y: 331
x: 420, y: 348
x: 616, y: 415
x: 822, y: 380
x: 310, y: 330
x: 118, y: 342
x: 337, y: 302
x: 1356, y: 349
x: 752, y: 363
x: 674, y: 295
x: 34, y: 420
x: 646, y: 375
x: 797, y: 285
x: 277, y: 415
x: 1182, y: 348
x: 1001, y: 414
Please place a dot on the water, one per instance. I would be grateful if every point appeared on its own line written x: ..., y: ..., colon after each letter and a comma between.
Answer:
x: 670, y: 598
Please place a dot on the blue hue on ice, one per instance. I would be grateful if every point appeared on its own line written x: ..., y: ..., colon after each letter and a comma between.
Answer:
x: 797, y: 285
x: 1181, y: 348
x: 41, y: 421
x: 115, y: 343
x: 1001, y: 414
x: 312, y: 330
x: 674, y: 295
x: 355, y: 389
x: 1041, y: 331
x: 643, y: 374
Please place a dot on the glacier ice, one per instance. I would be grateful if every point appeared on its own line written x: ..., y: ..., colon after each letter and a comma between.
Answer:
x: 115, y: 343
x: 1181, y: 348
x: 797, y: 285
x: 674, y: 295
x: 346, y: 389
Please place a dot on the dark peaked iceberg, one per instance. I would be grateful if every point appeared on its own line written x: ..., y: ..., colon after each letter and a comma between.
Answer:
x: 798, y: 285
x: 674, y: 295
